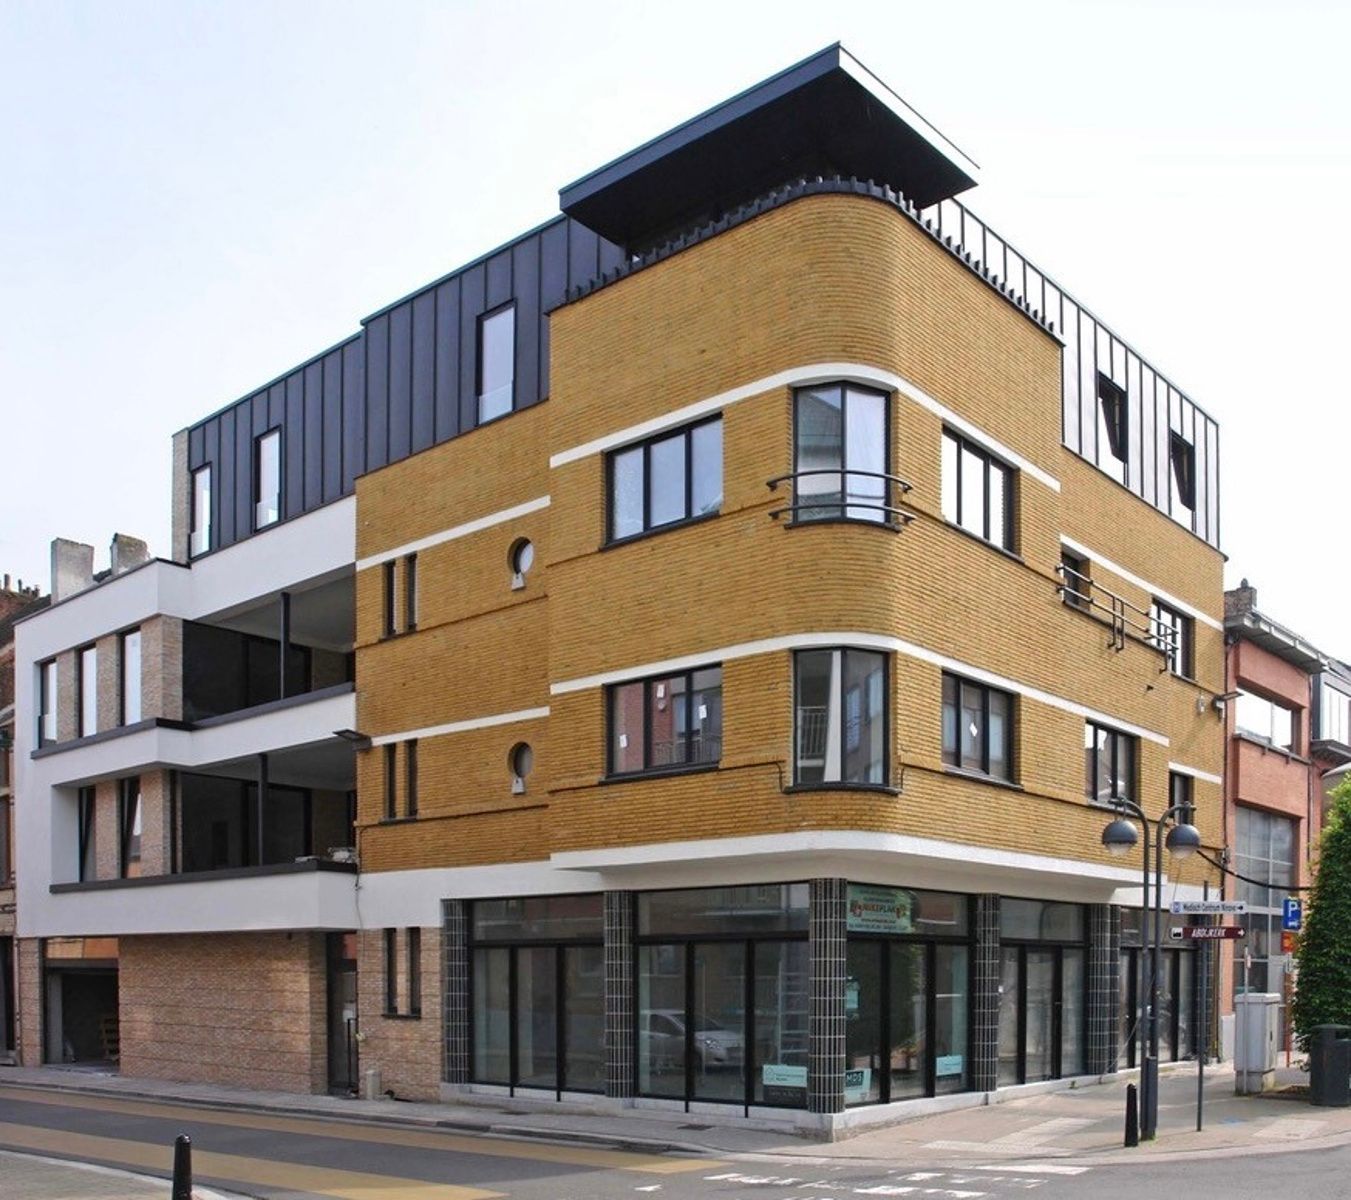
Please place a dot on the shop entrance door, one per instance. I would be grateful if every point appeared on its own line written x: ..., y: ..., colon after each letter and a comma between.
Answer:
x: 342, y: 1014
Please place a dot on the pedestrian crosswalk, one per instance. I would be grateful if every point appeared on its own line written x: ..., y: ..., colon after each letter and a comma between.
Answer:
x: 977, y: 1183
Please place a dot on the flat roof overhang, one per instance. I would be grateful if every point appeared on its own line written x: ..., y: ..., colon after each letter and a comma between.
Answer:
x: 828, y: 115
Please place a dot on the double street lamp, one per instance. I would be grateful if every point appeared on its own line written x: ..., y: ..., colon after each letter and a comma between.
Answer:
x: 1182, y: 839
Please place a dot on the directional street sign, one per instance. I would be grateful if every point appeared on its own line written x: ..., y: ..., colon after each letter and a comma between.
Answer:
x: 1198, y: 908
x: 1206, y: 933
x: 1292, y: 914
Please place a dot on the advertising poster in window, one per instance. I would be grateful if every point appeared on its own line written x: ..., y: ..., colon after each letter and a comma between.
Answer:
x: 879, y: 910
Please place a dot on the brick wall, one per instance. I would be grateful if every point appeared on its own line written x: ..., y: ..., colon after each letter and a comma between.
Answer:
x: 29, y: 986
x: 405, y: 1048
x: 244, y: 1010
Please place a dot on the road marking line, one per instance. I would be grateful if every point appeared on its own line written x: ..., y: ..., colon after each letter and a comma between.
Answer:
x: 1036, y: 1168
x: 234, y: 1168
x: 345, y: 1129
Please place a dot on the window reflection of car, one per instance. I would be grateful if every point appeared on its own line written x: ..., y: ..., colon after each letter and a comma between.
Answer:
x: 662, y: 1031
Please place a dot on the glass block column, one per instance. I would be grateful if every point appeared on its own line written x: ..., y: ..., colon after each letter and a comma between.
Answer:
x: 1104, y: 986
x: 619, y: 1004
x: 825, y: 1043
x: 985, y: 996
x: 456, y: 1001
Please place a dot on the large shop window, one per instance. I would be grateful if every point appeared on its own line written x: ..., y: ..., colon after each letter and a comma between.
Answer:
x: 977, y: 728
x: 977, y: 491
x: 723, y: 986
x: 908, y: 980
x: 840, y: 723
x: 674, y: 477
x: 666, y: 723
x: 840, y: 454
x: 1178, y: 984
x: 538, y: 979
x: 1265, y: 847
x: 1041, y: 991
x: 1109, y: 764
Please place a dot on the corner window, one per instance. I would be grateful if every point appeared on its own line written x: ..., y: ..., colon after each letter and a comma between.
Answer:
x: 1113, y: 435
x: 977, y: 491
x: 977, y: 728
x: 87, y: 685
x: 267, y: 479
x: 131, y: 677
x: 840, y: 718
x: 841, y: 454
x: 47, y: 702
x: 199, y: 540
x: 1182, y: 472
x: 1077, y: 590
x: 1173, y: 634
x: 667, y: 722
x: 496, y: 363
x: 671, y: 478
x: 129, y: 828
x: 1109, y: 764
x: 1334, y: 715
x: 1265, y: 719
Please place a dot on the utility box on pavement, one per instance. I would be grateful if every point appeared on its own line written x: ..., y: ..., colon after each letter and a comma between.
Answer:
x: 1257, y: 1018
x: 1330, y: 1066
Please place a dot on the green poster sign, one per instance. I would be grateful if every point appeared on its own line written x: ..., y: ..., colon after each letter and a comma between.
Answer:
x: 878, y: 910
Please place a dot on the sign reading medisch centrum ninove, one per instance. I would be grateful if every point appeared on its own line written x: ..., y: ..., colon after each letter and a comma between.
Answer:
x: 879, y: 910
x: 1201, y: 908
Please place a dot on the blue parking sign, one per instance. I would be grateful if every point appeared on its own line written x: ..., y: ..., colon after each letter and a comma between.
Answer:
x: 1292, y: 917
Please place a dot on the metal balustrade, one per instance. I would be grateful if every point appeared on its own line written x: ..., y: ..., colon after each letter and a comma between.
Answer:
x: 855, y: 499
x: 1124, y: 619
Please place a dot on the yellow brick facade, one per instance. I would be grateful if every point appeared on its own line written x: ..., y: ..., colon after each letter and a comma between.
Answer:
x: 824, y: 280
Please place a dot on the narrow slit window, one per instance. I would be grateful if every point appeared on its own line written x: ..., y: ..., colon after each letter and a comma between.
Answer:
x: 496, y: 364
x: 200, y: 537
x: 267, y: 479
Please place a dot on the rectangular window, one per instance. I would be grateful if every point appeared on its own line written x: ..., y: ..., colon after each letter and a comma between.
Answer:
x: 130, y: 705
x: 410, y: 777
x: 414, y: 936
x: 86, y: 863
x: 87, y: 686
x: 391, y: 972
x: 1077, y: 590
x: 977, y: 728
x: 674, y: 477
x: 1334, y: 715
x: 841, y: 455
x: 1109, y: 764
x: 1173, y: 635
x: 977, y: 491
x: 6, y: 858
x: 1180, y: 793
x: 129, y: 828
x: 387, y: 583
x: 410, y: 592
x: 267, y: 479
x: 1262, y: 718
x: 666, y: 723
x: 391, y: 781
x: 1182, y: 472
x: 199, y: 538
x: 840, y: 725
x: 1113, y: 435
x: 496, y: 363
x: 1265, y: 847
x: 47, y: 702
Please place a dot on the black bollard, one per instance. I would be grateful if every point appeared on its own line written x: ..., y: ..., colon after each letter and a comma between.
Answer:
x: 182, y: 1168
x: 1132, y: 1118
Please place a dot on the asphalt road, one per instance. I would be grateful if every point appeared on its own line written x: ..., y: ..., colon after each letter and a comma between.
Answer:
x: 293, y: 1158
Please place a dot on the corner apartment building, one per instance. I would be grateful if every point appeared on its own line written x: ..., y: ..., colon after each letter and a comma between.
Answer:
x: 684, y: 658
x: 1288, y: 720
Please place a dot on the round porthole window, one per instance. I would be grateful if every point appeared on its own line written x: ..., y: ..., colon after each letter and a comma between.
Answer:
x: 521, y: 759
x: 522, y: 557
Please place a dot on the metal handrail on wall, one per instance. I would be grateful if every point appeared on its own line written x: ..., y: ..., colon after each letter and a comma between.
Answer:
x: 1126, y: 620
x: 841, y: 505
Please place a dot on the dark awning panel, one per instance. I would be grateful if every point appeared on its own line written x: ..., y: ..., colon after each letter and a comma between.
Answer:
x: 829, y: 115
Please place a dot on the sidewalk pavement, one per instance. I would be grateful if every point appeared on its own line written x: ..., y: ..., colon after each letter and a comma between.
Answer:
x: 36, y: 1178
x: 1077, y: 1124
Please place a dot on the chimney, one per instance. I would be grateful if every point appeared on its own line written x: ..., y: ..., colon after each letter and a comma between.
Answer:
x: 72, y: 568
x: 127, y: 552
x: 1240, y: 601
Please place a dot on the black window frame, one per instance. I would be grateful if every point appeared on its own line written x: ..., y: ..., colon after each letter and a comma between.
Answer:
x: 413, y: 953
x: 391, y: 766
x: 258, y: 441
x: 1118, y: 739
x: 1182, y: 471
x: 128, y: 806
x: 645, y: 446
x: 409, y: 592
x: 1114, y: 404
x: 844, y: 784
x: 1179, y: 652
x: 483, y: 319
x: 1182, y: 791
x: 86, y: 866
x: 888, y: 520
x: 989, y: 462
x: 391, y: 972
x: 49, y: 687
x: 688, y: 764
x: 410, y: 799
x: 1010, y: 738
x: 199, y: 521
x: 389, y: 597
x: 6, y: 838
x: 1076, y: 592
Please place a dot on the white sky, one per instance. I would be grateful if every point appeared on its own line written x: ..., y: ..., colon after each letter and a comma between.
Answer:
x: 194, y: 197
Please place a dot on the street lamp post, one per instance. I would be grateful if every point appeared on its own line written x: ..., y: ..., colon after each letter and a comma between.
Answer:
x: 1182, y: 839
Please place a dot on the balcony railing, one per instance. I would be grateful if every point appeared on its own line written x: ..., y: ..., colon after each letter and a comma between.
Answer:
x: 1124, y: 619
x: 831, y: 494
x: 813, y: 723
